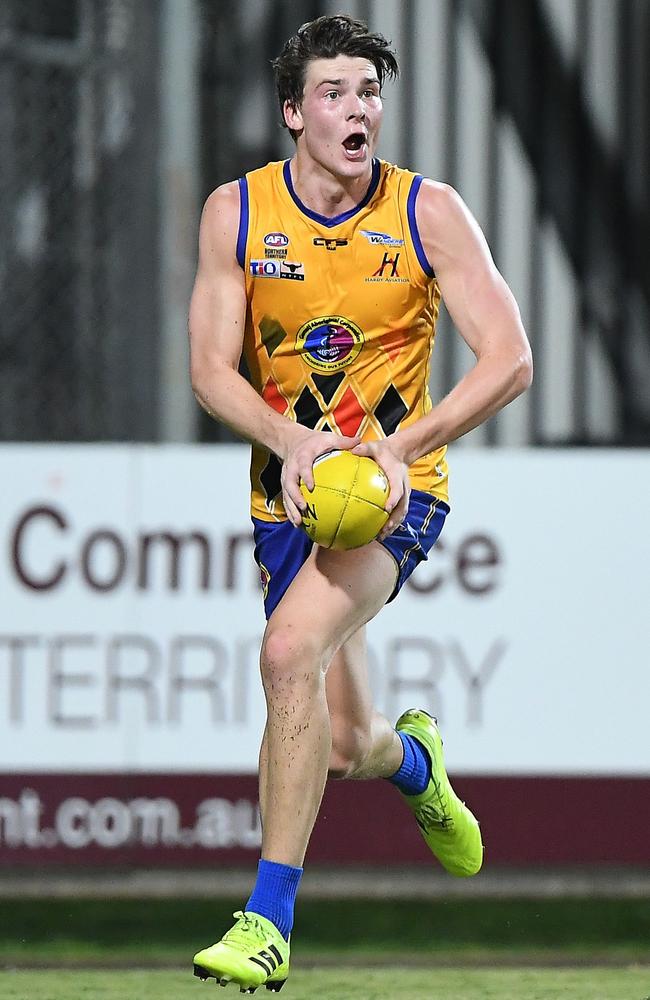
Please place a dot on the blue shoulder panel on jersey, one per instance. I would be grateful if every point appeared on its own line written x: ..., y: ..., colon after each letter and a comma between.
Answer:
x: 242, y: 233
x: 413, y: 226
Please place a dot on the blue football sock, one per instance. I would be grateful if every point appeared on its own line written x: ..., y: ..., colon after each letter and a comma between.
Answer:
x: 274, y: 894
x: 415, y: 772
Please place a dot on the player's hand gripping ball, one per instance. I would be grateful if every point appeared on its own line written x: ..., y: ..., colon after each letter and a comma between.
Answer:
x: 345, y: 509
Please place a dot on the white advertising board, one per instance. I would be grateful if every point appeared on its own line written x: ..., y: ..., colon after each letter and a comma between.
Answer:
x: 131, y: 616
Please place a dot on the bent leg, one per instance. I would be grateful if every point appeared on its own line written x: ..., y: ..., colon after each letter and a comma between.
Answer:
x: 364, y: 743
x: 331, y: 597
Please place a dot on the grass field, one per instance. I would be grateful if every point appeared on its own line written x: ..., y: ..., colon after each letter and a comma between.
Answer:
x: 66, y: 949
x: 327, y: 984
x: 148, y: 932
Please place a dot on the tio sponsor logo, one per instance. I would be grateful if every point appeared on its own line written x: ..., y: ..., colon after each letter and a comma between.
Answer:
x: 265, y: 268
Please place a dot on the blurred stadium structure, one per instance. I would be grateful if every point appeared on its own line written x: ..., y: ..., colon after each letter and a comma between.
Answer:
x: 119, y: 116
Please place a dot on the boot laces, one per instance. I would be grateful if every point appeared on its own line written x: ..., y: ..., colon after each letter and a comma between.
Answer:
x: 240, y: 934
x: 427, y: 817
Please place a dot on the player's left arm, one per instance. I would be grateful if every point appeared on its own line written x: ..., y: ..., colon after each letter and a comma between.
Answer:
x: 485, y: 314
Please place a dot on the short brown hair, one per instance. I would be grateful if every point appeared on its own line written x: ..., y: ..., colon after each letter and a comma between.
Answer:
x: 325, y: 38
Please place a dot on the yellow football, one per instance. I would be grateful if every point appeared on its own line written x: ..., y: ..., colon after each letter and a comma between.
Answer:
x: 345, y: 509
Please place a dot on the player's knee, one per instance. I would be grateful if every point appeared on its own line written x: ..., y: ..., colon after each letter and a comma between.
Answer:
x: 286, y: 657
x: 350, y: 746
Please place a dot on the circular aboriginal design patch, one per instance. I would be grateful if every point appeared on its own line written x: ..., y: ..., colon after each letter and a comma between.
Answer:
x: 329, y: 343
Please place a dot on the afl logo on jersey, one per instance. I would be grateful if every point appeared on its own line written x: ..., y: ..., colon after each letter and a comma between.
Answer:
x: 276, y: 240
x: 329, y: 343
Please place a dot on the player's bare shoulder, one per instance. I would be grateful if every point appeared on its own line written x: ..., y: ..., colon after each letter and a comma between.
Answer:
x: 220, y: 222
x: 447, y: 227
x: 219, y: 278
x: 439, y: 203
x: 218, y: 304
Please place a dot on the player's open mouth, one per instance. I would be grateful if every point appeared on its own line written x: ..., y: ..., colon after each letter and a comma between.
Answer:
x: 355, y: 146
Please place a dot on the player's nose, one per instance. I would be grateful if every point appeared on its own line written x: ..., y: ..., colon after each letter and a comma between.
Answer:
x: 356, y: 110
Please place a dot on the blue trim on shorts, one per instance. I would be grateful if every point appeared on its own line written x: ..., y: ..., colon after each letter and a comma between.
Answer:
x: 414, y: 538
x: 242, y: 232
x: 281, y: 550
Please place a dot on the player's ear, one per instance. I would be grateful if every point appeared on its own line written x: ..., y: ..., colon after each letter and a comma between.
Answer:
x: 292, y: 116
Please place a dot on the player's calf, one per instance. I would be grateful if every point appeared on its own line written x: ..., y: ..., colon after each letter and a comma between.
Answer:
x: 350, y: 747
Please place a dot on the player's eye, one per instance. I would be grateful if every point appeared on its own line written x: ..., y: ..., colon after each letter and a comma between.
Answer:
x: 332, y: 94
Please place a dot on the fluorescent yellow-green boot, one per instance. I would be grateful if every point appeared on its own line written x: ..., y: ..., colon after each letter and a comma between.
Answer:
x: 448, y: 827
x: 252, y: 953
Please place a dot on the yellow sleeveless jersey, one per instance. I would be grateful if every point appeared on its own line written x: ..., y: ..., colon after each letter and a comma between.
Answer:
x: 341, y: 316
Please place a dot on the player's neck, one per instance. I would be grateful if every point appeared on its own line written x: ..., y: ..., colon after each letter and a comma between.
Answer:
x: 326, y: 193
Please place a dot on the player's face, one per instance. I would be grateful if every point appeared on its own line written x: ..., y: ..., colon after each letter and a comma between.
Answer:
x: 340, y: 115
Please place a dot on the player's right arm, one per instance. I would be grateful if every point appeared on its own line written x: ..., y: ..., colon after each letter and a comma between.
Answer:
x: 216, y: 327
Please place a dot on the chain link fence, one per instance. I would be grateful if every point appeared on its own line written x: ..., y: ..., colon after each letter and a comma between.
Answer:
x: 77, y: 213
x: 113, y: 131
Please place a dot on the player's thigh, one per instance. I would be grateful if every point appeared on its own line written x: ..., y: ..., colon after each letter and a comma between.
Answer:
x: 332, y: 595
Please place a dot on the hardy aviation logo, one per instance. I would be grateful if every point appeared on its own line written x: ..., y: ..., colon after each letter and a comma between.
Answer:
x: 329, y: 343
x: 390, y: 263
x: 388, y: 269
x: 381, y: 239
